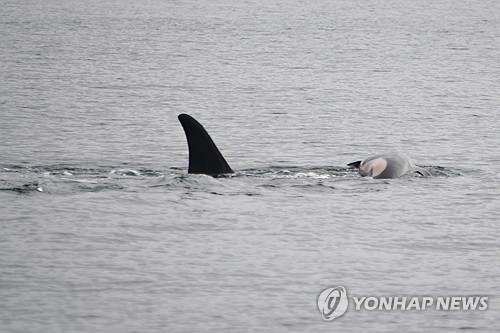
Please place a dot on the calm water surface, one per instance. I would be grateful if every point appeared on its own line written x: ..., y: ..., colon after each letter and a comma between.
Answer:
x: 103, y: 230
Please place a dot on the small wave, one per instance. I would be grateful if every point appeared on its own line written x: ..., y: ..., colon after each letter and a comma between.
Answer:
x: 51, y: 169
x: 99, y: 187
x: 295, y: 172
x: 24, y: 188
x: 439, y: 171
x: 125, y: 172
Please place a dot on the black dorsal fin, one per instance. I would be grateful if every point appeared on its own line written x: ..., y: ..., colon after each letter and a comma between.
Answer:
x: 204, y: 156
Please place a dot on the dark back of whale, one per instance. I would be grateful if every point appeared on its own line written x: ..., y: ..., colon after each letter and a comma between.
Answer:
x: 204, y: 156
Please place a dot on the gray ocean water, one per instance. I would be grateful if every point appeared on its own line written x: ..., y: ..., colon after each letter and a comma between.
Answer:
x: 102, y: 230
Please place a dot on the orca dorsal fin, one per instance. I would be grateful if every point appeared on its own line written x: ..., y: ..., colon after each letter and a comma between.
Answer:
x: 204, y: 156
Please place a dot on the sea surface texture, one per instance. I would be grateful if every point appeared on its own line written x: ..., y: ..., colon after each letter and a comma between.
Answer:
x: 103, y: 230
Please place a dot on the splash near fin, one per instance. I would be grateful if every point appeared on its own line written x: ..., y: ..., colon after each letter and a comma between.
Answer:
x: 204, y: 156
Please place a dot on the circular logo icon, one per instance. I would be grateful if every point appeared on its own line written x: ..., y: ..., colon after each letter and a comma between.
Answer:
x: 332, y: 303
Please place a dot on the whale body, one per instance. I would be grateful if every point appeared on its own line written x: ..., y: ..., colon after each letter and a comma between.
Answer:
x: 205, y: 157
x: 386, y: 166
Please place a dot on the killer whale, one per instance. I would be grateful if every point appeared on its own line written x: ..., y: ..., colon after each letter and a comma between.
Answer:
x: 386, y: 166
x: 205, y: 157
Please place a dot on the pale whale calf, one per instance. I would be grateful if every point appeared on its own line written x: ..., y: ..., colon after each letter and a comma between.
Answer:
x: 205, y: 157
x: 384, y: 166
